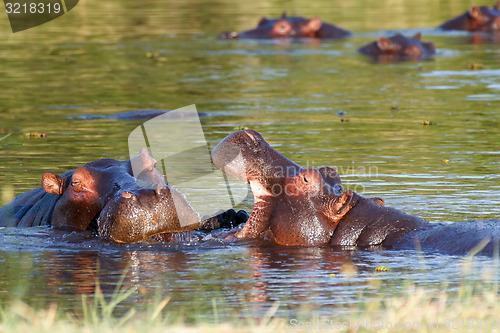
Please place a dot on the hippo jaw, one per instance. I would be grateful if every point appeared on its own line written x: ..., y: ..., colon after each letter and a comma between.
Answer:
x: 302, y: 210
x: 131, y: 217
x: 246, y: 156
x: 232, y: 155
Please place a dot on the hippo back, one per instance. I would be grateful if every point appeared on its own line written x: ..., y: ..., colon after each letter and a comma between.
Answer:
x: 457, y: 238
x: 30, y: 209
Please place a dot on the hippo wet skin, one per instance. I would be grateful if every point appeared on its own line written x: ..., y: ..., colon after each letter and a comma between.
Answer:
x: 290, y: 27
x: 399, y: 48
x: 476, y: 19
x: 308, y: 207
x: 104, y: 195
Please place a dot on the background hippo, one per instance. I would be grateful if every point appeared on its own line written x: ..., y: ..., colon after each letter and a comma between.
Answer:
x: 104, y: 195
x: 290, y: 27
x: 480, y: 19
x: 308, y: 211
x: 399, y: 47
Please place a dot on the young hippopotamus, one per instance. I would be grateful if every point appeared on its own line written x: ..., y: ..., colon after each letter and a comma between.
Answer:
x: 308, y: 207
x: 476, y: 19
x: 290, y: 27
x: 399, y: 48
x: 104, y: 195
x: 246, y: 156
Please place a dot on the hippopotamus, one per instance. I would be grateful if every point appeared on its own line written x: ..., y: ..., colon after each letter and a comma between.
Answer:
x: 290, y: 27
x: 476, y: 19
x: 245, y: 155
x: 399, y: 47
x: 309, y: 207
x: 105, y: 196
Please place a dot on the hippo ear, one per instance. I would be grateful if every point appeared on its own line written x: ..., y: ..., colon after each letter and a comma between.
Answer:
x: 384, y: 43
x: 144, y: 151
x: 314, y: 24
x: 475, y: 12
x: 378, y: 201
x: 418, y: 35
x: 52, y: 183
x: 263, y: 20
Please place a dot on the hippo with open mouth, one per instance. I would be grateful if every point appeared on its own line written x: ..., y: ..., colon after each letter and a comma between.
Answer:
x: 105, y: 196
x: 308, y: 207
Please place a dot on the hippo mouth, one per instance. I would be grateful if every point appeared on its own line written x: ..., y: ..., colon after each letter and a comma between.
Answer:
x: 131, y: 217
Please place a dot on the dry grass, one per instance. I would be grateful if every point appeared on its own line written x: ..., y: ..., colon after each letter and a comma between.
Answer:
x: 471, y: 309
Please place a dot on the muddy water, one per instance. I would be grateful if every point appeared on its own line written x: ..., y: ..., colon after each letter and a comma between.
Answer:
x: 94, y: 61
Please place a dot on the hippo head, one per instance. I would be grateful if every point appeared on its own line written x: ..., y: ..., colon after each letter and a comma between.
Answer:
x: 399, y: 47
x: 305, y: 212
x: 483, y: 18
x: 283, y: 27
x: 310, y: 186
x: 476, y: 19
x: 295, y: 206
x: 246, y: 156
x: 109, y: 186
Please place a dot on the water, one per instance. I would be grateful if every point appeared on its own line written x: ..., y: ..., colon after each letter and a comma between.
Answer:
x: 93, y: 61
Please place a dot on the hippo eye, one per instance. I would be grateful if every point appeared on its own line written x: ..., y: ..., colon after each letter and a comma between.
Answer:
x: 305, y: 179
x: 77, y: 185
x: 282, y: 28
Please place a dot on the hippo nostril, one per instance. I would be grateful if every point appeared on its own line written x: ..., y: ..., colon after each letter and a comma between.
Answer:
x: 127, y: 195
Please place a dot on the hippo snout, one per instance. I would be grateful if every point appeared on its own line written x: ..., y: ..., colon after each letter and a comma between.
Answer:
x: 131, y: 217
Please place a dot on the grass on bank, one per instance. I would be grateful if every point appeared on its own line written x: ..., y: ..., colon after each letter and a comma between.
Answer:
x: 470, y: 309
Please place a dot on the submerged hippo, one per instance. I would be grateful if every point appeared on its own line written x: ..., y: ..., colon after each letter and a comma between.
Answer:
x: 290, y: 27
x: 398, y: 48
x: 104, y: 196
x: 476, y: 19
x: 301, y: 207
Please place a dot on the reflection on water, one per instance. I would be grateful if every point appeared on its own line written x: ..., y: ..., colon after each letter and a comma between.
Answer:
x: 243, y: 278
x: 94, y: 61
